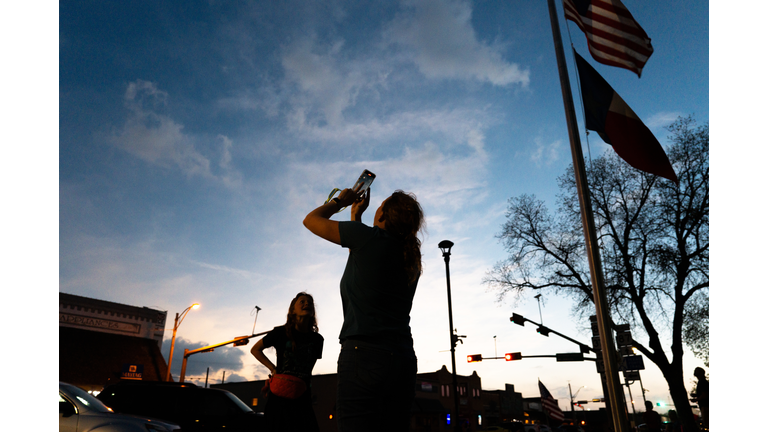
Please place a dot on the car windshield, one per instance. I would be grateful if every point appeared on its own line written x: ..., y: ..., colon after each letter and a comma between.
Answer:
x: 240, y: 404
x: 84, y: 398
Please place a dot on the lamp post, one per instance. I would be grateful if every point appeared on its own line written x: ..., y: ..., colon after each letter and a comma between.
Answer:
x: 573, y: 396
x: 445, y: 246
x: 176, y: 324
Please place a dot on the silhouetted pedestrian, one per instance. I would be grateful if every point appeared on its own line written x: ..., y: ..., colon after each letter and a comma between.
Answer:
x: 702, y: 395
x: 651, y: 418
x: 298, y: 346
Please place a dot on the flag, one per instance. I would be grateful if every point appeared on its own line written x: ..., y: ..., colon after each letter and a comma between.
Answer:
x: 613, y: 35
x: 549, y: 404
x: 607, y: 114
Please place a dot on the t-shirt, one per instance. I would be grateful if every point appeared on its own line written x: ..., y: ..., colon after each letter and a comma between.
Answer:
x: 702, y: 393
x: 376, y: 295
x: 298, y: 361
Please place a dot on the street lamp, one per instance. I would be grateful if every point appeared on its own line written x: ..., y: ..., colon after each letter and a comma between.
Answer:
x: 445, y: 246
x: 176, y: 324
x: 573, y: 396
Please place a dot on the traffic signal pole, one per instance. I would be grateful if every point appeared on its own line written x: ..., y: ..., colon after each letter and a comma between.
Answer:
x: 236, y: 342
x: 520, y: 320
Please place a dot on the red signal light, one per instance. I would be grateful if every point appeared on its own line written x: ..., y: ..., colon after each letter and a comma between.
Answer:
x: 474, y: 358
x: 513, y: 356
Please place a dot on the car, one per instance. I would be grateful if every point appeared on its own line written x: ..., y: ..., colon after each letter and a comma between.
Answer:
x: 194, y: 408
x: 537, y: 428
x: 79, y: 411
x: 570, y: 428
x: 513, y: 426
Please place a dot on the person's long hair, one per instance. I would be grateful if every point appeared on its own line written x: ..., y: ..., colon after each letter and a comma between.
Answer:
x: 293, y: 320
x: 405, y: 220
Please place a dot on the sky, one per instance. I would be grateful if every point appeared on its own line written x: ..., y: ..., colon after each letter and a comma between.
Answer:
x: 193, y: 138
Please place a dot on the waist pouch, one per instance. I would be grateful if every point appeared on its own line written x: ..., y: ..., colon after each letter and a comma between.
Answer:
x: 287, y: 386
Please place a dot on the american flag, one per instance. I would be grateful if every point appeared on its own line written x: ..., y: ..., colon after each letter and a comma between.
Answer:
x: 550, y: 404
x: 613, y: 35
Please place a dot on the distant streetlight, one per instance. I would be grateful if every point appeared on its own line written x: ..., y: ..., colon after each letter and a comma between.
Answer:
x: 176, y: 324
x: 445, y: 246
x: 573, y: 396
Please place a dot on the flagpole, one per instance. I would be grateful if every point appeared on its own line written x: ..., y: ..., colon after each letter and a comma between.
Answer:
x: 615, y: 394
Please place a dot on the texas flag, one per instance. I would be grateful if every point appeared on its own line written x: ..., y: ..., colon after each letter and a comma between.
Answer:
x: 608, y: 115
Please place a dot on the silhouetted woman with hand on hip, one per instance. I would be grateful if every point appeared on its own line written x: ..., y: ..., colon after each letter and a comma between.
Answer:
x: 377, y: 363
x: 298, y: 346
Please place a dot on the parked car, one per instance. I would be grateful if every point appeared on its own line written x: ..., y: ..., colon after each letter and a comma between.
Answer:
x: 195, y: 409
x: 81, y: 412
x: 537, y: 428
x: 506, y: 427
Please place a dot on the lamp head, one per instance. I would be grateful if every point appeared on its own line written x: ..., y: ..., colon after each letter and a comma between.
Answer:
x: 445, y: 246
x: 196, y: 305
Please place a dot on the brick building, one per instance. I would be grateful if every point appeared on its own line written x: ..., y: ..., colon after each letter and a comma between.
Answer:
x: 101, y: 341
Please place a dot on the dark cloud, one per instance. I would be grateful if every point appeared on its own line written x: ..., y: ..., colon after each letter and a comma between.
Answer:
x: 226, y: 359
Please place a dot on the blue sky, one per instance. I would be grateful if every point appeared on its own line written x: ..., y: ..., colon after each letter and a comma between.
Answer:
x: 195, y: 136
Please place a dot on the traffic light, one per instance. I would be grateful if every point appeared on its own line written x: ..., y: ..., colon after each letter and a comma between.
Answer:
x: 474, y: 358
x: 517, y: 319
x: 543, y: 331
x: 660, y: 403
x: 513, y: 356
x: 240, y: 341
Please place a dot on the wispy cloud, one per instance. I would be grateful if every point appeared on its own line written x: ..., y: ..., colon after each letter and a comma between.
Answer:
x: 157, y: 139
x: 221, y: 268
x: 324, y: 84
x: 662, y: 119
x: 440, y: 37
x: 545, y: 154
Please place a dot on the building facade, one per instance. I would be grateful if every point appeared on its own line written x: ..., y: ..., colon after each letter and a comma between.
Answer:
x: 102, y: 341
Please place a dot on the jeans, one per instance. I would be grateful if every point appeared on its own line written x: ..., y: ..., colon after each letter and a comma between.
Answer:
x: 376, y: 387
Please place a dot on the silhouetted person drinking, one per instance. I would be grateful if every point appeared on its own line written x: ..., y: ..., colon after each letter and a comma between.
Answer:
x: 377, y: 363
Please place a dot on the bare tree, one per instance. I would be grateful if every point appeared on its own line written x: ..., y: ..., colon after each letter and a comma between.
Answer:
x: 654, y: 244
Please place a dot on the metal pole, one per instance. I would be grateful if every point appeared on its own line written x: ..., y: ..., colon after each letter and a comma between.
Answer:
x: 183, y: 366
x: 642, y: 389
x: 173, y: 342
x: 615, y: 394
x: 447, y: 257
x: 632, y: 402
x: 573, y: 413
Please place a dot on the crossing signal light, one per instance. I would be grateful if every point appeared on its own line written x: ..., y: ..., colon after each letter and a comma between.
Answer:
x: 513, y: 356
x: 517, y: 319
x: 543, y: 331
x: 474, y: 358
x: 242, y: 340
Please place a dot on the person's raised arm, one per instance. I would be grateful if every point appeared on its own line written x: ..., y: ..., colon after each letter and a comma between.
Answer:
x: 258, y: 352
x: 319, y: 220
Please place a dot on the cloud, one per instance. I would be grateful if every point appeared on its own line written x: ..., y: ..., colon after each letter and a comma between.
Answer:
x: 546, y: 154
x: 324, y: 85
x: 225, y: 358
x: 440, y: 37
x: 159, y: 140
x: 445, y: 171
x: 662, y: 119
